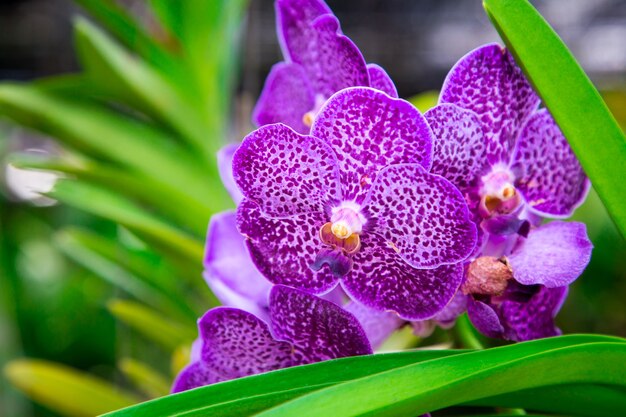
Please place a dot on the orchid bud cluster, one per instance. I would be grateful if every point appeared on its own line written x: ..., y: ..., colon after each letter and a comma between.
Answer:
x: 357, y: 214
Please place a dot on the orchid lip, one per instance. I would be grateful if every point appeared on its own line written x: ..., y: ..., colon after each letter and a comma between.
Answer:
x: 498, y: 192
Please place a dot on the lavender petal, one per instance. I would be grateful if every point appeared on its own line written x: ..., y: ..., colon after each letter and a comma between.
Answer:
x: 484, y: 318
x: 378, y: 325
x: 225, y: 168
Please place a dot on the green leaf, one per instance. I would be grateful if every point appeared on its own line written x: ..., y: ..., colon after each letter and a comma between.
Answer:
x: 440, y: 383
x: 154, y: 326
x: 167, y: 200
x: 126, y: 29
x: 140, y: 86
x: 104, y: 258
x: 114, y: 207
x: 425, y: 101
x: 103, y: 133
x: 573, y: 101
x: 253, y: 394
x: 65, y: 390
x: 145, y: 378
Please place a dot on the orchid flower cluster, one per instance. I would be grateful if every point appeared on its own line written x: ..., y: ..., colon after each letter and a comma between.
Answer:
x: 358, y: 215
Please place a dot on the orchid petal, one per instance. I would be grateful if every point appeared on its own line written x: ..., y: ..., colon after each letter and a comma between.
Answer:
x: 320, y: 330
x: 370, y: 130
x: 286, y: 173
x: 382, y: 281
x: 380, y: 80
x: 378, y: 325
x: 488, y: 82
x: 421, y: 216
x: 553, y: 255
x: 553, y: 183
x: 225, y: 167
x: 284, y: 249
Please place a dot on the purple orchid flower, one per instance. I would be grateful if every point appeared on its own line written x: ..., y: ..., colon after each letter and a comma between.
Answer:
x: 498, y: 148
x: 303, y: 329
x: 236, y: 282
x: 319, y: 61
x: 517, y: 296
x: 444, y: 319
x: 354, y: 200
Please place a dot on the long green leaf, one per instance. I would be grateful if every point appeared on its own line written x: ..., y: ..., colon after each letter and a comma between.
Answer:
x: 253, y: 394
x: 112, y: 206
x: 436, y: 384
x: 105, y: 133
x: 111, y: 66
x: 151, y: 324
x: 573, y: 101
x: 68, y: 391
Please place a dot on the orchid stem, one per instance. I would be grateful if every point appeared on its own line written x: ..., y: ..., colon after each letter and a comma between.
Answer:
x: 466, y: 333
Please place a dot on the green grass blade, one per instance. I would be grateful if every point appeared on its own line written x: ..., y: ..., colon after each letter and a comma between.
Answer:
x: 65, y: 390
x: 573, y: 101
x: 114, y: 207
x: 440, y: 383
x: 153, y: 325
x: 250, y: 395
x: 145, y: 378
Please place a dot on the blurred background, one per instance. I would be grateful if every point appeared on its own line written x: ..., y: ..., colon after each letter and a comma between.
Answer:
x: 103, y: 274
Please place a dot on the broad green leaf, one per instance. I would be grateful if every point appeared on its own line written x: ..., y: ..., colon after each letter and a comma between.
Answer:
x: 145, y: 378
x: 170, y: 14
x: 153, y: 325
x: 66, y: 390
x: 114, y: 207
x: 440, y: 383
x: 573, y: 399
x: 103, y: 258
x: 102, y: 132
x: 168, y: 201
x: 250, y: 395
x: 573, y: 101
x: 139, y: 85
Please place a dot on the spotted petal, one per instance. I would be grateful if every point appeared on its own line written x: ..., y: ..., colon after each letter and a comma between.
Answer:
x: 378, y: 325
x: 459, y: 145
x: 535, y: 318
x: 552, y: 181
x: 380, y: 80
x: 553, y: 255
x: 381, y: 280
x: 196, y: 374
x: 370, y: 130
x: 284, y: 249
x: 286, y: 97
x: 236, y: 344
x: 319, y: 329
x: 421, y: 216
x: 286, y: 173
x: 228, y: 269
x: 488, y: 81
x: 225, y: 167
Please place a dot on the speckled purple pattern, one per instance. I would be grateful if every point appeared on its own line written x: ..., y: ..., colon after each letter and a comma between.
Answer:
x: 225, y: 168
x: 378, y: 325
x: 228, y: 269
x: 319, y: 330
x: 283, y: 249
x: 370, y: 130
x: 195, y: 375
x: 420, y: 216
x: 286, y: 173
x: 236, y: 344
x: 384, y: 282
x: 553, y: 183
x: 535, y: 318
x: 459, y: 145
x: 380, y: 80
x: 488, y: 82
x: 306, y: 329
x: 286, y: 97
x: 554, y: 254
